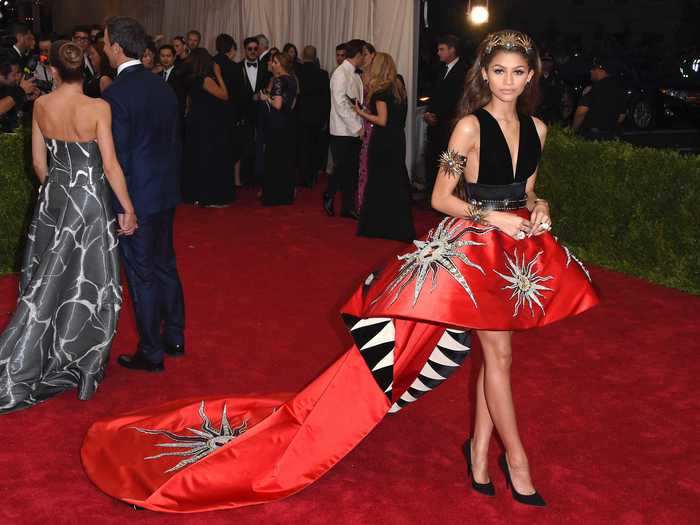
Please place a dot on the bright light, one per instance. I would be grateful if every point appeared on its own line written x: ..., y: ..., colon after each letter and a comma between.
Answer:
x: 479, y: 15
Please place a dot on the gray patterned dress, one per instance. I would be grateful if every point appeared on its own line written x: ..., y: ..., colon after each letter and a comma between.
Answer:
x: 61, y: 332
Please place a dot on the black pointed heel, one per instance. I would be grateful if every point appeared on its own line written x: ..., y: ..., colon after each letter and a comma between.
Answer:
x: 487, y: 489
x: 534, y: 500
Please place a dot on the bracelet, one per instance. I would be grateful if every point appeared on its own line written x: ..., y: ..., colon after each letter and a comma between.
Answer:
x: 475, y: 212
x: 453, y: 163
x: 537, y: 201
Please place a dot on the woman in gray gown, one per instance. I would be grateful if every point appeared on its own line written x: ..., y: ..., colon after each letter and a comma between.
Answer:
x: 60, y: 334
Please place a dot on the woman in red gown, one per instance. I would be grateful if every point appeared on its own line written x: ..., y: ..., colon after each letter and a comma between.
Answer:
x: 491, y: 267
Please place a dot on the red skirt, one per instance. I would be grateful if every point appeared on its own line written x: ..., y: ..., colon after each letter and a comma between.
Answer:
x: 411, y: 325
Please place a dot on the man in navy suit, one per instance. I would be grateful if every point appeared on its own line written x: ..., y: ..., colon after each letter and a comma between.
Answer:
x: 146, y: 136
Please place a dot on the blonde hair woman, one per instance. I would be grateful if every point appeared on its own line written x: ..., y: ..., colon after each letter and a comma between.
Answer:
x: 386, y: 209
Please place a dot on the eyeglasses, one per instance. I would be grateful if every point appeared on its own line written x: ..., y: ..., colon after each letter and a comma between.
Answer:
x: 82, y: 38
x: 251, y: 48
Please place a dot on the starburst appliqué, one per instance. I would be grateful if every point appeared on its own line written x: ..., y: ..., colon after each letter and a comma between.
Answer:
x: 524, y: 282
x: 441, y: 246
x: 570, y: 256
x: 201, y: 444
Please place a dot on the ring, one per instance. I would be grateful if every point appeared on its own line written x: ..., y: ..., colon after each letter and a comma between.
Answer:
x: 545, y: 226
x: 520, y: 235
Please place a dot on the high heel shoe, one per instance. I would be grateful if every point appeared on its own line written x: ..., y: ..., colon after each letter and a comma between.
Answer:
x: 534, y: 499
x: 487, y: 489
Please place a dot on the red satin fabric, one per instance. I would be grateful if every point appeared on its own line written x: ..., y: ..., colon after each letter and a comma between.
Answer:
x: 292, y: 440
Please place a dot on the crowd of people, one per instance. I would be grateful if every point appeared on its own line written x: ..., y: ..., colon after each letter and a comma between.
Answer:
x: 266, y: 120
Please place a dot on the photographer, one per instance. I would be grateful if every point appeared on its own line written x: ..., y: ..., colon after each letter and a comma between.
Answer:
x: 23, y: 43
x: 41, y: 73
x: 14, y: 92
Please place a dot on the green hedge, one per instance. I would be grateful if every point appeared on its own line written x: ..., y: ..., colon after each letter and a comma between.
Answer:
x: 631, y: 209
x: 17, y: 190
x: 626, y: 208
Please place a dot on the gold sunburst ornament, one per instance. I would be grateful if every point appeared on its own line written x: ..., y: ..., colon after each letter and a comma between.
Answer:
x: 509, y: 40
x: 453, y: 163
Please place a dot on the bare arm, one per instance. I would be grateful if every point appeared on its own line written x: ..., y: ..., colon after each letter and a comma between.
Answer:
x: 216, y: 87
x: 38, y: 149
x: 113, y: 170
x: 579, y: 116
x: 380, y: 119
x: 539, y: 208
x: 6, y: 104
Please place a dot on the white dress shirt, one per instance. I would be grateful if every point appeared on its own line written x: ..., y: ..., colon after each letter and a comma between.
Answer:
x: 88, y: 64
x: 167, y: 73
x: 128, y: 63
x: 252, y: 73
x: 344, y: 122
x: 450, y: 66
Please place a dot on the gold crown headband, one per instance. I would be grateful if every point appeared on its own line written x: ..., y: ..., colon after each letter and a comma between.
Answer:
x: 509, y: 41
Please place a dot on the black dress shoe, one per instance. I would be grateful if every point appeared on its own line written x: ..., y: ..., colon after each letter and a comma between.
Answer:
x: 487, y: 489
x: 534, y: 499
x: 139, y: 362
x: 328, y: 204
x: 352, y: 214
x: 174, y: 350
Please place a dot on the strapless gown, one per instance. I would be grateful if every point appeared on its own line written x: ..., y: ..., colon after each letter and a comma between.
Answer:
x: 60, y: 334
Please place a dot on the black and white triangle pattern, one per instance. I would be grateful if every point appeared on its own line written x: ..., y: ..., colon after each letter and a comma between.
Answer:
x: 375, y: 339
x: 450, y: 352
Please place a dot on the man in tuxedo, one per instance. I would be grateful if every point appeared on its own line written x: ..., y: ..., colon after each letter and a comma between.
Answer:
x: 147, y: 141
x: 174, y: 77
x: 346, y: 130
x: 81, y: 36
x: 250, y: 80
x: 314, y: 107
x: 24, y: 43
x: 442, y: 107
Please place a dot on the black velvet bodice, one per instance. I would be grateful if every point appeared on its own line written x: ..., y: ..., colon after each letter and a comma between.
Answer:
x: 495, y: 162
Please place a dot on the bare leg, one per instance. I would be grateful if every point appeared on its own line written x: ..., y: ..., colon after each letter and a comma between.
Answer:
x: 499, y: 399
x: 481, y: 437
x: 237, y: 174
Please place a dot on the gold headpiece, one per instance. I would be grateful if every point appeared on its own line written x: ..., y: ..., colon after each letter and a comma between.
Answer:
x: 509, y: 40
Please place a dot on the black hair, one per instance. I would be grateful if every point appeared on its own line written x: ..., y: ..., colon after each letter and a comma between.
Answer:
x: 150, y: 44
x: 167, y: 46
x: 340, y: 47
x: 354, y: 47
x: 43, y: 37
x: 449, y: 40
x: 129, y: 34
x: 97, y: 27
x: 81, y: 29
x: 180, y: 38
x: 250, y: 40
x: 19, y: 28
x: 224, y: 43
x: 370, y: 48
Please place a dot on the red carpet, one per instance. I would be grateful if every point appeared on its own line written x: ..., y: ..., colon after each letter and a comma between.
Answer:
x: 608, y: 402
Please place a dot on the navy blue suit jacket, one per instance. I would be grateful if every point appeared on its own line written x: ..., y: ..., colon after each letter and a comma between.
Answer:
x: 147, y: 140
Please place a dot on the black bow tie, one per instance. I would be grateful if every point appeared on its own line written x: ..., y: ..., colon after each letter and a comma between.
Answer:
x: 251, y: 64
x: 358, y: 71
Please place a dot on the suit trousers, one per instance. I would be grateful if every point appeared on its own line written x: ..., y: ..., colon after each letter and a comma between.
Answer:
x: 437, y: 139
x: 310, y: 152
x: 346, y: 160
x: 154, y: 284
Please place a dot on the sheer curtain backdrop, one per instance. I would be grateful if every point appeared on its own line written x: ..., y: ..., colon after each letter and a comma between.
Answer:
x: 391, y: 25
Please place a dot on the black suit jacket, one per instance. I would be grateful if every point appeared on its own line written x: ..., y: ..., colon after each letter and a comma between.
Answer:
x: 447, y: 94
x: 314, y: 103
x: 243, y: 92
x: 176, y: 80
x: 12, y: 54
x: 145, y: 126
x: 228, y: 72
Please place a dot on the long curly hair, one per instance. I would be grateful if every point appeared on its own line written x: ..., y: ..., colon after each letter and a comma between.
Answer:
x: 476, y: 90
x: 383, y: 77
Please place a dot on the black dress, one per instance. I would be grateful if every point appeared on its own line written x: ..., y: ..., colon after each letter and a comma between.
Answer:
x: 386, y: 208
x: 280, y: 144
x: 207, y: 176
